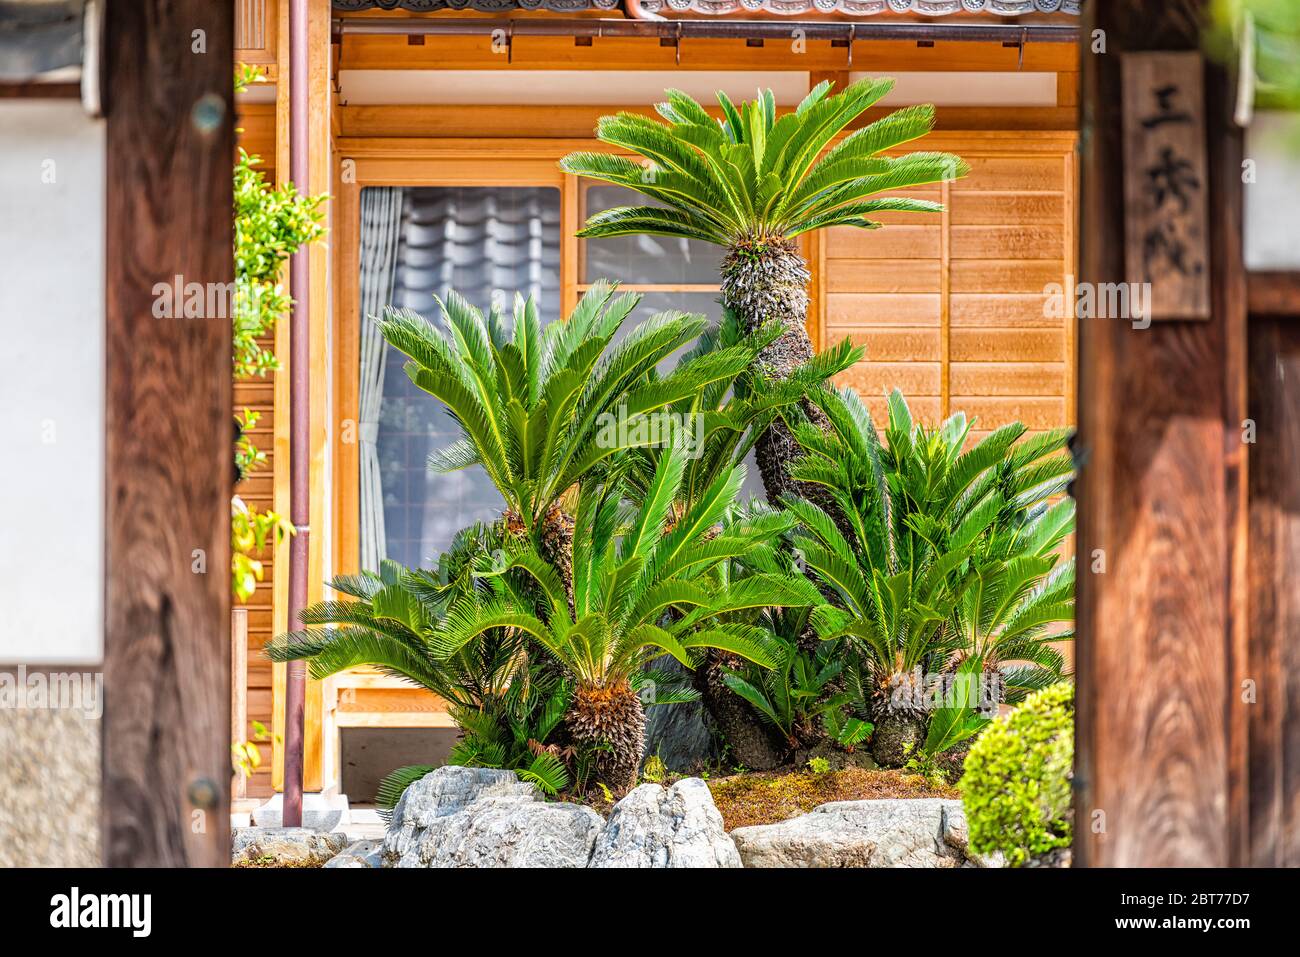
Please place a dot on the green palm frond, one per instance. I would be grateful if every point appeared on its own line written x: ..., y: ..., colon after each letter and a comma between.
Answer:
x: 754, y: 174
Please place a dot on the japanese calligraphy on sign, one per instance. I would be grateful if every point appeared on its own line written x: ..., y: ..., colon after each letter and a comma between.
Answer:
x: 1165, y: 183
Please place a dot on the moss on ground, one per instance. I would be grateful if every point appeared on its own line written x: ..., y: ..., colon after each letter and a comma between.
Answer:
x: 769, y: 797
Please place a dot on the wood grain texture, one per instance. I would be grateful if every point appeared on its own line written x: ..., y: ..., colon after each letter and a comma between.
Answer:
x: 1274, y: 657
x: 1153, y: 734
x: 167, y: 656
x: 1166, y: 227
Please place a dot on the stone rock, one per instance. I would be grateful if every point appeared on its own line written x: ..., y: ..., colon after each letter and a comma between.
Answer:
x: 836, y: 758
x: 359, y: 854
x: 654, y: 827
x: 284, y: 846
x: 956, y: 834
x: 879, y: 833
x: 682, y: 736
x: 1057, y: 857
x: 480, y: 817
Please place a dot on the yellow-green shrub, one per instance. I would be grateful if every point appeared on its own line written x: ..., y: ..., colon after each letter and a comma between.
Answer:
x: 1016, y: 789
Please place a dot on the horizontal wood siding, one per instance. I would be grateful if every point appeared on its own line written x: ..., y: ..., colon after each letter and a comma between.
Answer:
x: 256, y: 124
x: 950, y: 307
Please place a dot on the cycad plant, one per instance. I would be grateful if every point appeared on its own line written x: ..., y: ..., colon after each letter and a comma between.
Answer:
x: 638, y: 593
x: 497, y: 690
x: 753, y: 182
x: 797, y: 696
x: 726, y: 417
x: 931, y: 525
x: 532, y: 399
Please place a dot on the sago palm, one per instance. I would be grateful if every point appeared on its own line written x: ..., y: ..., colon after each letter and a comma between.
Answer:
x: 753, y: 182
x: 532, y: 399
x: 726, y: 417
x: 929, y: 522
x: 637, y: 593
x: 505, y: 703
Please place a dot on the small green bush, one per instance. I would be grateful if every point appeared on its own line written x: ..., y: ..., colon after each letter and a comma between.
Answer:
x: 1016, y: 789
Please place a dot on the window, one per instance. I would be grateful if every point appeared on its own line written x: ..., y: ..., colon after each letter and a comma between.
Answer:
x: 669, y: 273
x: 486, y: 243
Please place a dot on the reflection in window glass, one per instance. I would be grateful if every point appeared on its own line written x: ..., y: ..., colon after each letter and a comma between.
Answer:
x: 645, y: 260
x: 485, y: 243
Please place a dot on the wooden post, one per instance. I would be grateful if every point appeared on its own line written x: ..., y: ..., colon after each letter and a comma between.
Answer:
x: 1160, y: 758
x: 170, y: 137
x: 239, y: 689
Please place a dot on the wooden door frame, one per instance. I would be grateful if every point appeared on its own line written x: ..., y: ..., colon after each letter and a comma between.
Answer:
x: 1161, y: 760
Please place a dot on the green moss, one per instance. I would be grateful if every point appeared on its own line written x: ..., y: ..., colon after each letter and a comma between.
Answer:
x: 1016, y: 789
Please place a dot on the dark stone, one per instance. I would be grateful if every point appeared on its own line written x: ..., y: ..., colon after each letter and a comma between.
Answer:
x: 836, y: 758
x: 681, y: 735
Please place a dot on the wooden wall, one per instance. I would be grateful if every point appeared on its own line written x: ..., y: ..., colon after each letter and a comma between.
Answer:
x: 256, y: 127
x: 951, y: 307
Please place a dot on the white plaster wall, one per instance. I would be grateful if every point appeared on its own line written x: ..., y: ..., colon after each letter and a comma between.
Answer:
x: 1272, y: 228
x: 51, y: 382
x: 630, y: 87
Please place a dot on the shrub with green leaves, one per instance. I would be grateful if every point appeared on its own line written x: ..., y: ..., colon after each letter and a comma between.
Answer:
x: 1016, y: 789
x: 271, y: 224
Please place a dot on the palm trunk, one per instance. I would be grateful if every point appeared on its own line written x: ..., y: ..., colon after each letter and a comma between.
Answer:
x: 750, y: 741
x: 608, y: 724
x: 767, y: 281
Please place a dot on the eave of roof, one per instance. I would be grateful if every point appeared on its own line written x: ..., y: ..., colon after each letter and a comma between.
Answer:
x: 849, y: 9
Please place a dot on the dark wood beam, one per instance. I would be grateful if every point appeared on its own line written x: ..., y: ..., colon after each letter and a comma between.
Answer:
x: 166, y: 727
x: 1274, y: 293
x: 1160, y: 760
x: 1274, y: 815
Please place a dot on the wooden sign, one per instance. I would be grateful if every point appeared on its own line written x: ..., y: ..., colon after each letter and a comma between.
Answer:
x: 1166, y: 183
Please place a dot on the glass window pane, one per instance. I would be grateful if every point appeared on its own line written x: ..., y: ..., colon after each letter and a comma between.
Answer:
x: 638, y: 260
x: 486, y: 243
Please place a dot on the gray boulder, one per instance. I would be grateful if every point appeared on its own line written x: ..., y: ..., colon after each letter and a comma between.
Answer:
x: 878, y: 833
x: 359, y: 854
x: 677, y: 827
x: 956, y: 834
x: 283, y: 846
x: 479, y: 817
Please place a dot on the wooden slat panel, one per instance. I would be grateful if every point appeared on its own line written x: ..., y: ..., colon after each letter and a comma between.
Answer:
x: 1011, y: 173
x: 892, y: 242
x: 1008, y: 378
x: 999, y: 209
x: 882, y: 275
x: 894, y: 345
x: 999, y: 345
x: 995, y: 412
x: 1005, y: 242
x: 925, y: 408
x: 1003, y: 311
x: 1010, y: 276
x: 878, y: 378
x: 872, y: 310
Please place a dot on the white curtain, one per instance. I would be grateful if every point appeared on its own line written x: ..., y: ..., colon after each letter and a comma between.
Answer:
x: 381, y: 222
